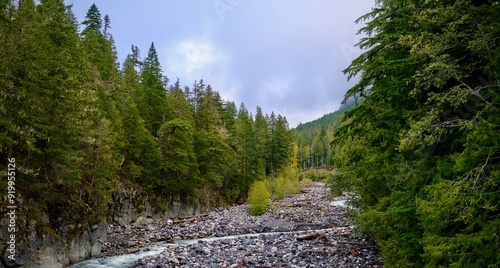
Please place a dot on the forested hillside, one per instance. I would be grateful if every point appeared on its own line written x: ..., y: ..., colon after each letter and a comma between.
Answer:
x: 77, y: 124
x: 313, y: 139
x: 422, y: 152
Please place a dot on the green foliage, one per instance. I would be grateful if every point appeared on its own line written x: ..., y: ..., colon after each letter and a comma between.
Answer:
x: 177, y: 147
x: 322, y: 175
x: 78, y: 127
x: 258, y: 198
x: 151, y: 96
x: 93, y: 20
x: 285, y: 184
x: 279, y: 144
x: 314, y: 138
x: 421, y: 152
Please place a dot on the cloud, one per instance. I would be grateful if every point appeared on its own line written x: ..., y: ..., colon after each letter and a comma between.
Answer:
x: 195, y: 59
x: 190, y: 57
x: 276, y: 90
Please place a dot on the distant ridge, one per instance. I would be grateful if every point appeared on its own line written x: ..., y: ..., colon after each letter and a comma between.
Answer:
x: 330, y: 119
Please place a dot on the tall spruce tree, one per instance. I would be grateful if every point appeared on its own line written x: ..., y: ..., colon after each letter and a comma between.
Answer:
x: 141, y: 156
x: 261, y: 138
x: 93, y: 21
x: 151, y: 103
x: 244, y: 148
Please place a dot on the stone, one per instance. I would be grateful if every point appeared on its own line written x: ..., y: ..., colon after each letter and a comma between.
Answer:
x: 310, y: 213
x: 96, y: 249
x: 142, y: 221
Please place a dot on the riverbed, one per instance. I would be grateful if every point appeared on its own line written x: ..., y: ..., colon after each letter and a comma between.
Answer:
x: 309, y: 229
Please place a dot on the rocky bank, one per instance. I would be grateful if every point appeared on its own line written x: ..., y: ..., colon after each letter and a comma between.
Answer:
x: 76, y: 235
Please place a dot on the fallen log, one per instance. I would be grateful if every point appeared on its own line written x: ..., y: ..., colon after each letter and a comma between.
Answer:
x: 320, y: 251
x: 194, y: 216
x: 190, y: 218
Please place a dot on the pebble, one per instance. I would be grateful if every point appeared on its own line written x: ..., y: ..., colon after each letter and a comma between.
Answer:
x: 309, y: 212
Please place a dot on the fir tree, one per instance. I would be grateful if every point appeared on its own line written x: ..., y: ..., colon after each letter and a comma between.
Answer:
x: 151, y: 102
x: 93, y: 21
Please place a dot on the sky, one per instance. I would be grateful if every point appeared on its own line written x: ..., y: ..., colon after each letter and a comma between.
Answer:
x: 285, y: 56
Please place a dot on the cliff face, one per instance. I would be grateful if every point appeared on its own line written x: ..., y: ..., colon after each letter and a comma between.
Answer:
x: 36, y: 246
x: 130, y: 204
x: 74, y: 236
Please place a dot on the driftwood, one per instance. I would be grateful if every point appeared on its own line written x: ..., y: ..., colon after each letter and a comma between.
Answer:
x: 352, y: 243
x: 320, y: 251
x: 312, y: 236
x: 359, y: 245
x: 190, y: 218
x: 193, y: 216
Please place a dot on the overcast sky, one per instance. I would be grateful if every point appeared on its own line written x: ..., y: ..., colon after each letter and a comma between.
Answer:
x: 286, y: 56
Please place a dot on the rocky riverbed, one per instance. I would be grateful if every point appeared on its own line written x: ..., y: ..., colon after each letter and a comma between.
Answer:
x: 309, y: 229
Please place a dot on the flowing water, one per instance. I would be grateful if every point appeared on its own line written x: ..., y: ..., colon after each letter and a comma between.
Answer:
x: 120, y: 261
x: 127, y: 260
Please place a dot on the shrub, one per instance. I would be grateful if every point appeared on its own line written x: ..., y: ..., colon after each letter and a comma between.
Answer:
x: 258, y: 198
x: 286, y: 184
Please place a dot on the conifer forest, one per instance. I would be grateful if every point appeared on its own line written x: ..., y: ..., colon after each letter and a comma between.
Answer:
x: 417, y: 144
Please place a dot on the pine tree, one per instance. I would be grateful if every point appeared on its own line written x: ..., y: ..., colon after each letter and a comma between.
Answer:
x: 278, y: 143
x: 7, y: 90
x: 131, y: 77
x: 228, y: 114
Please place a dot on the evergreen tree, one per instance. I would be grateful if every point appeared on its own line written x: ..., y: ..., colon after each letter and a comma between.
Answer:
x: 100, y: 49
x: 176, y: 138
x: 107, y: 135
x: 260, y: 142
x: 93, y: 21
x: 278, y: 143
x: 421, y: 150
x: 228, y: 114
x: 152, y: 105
x: 141, y: 156
x: 7, y: 90
x: 212, y: 148
x: 244, y: 138
x: 131, y: 77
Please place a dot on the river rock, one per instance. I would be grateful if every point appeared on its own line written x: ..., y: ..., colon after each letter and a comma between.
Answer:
x: 270, y: 240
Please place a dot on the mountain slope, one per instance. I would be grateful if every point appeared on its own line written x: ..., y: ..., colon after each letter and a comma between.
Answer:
x: 313, y: 138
